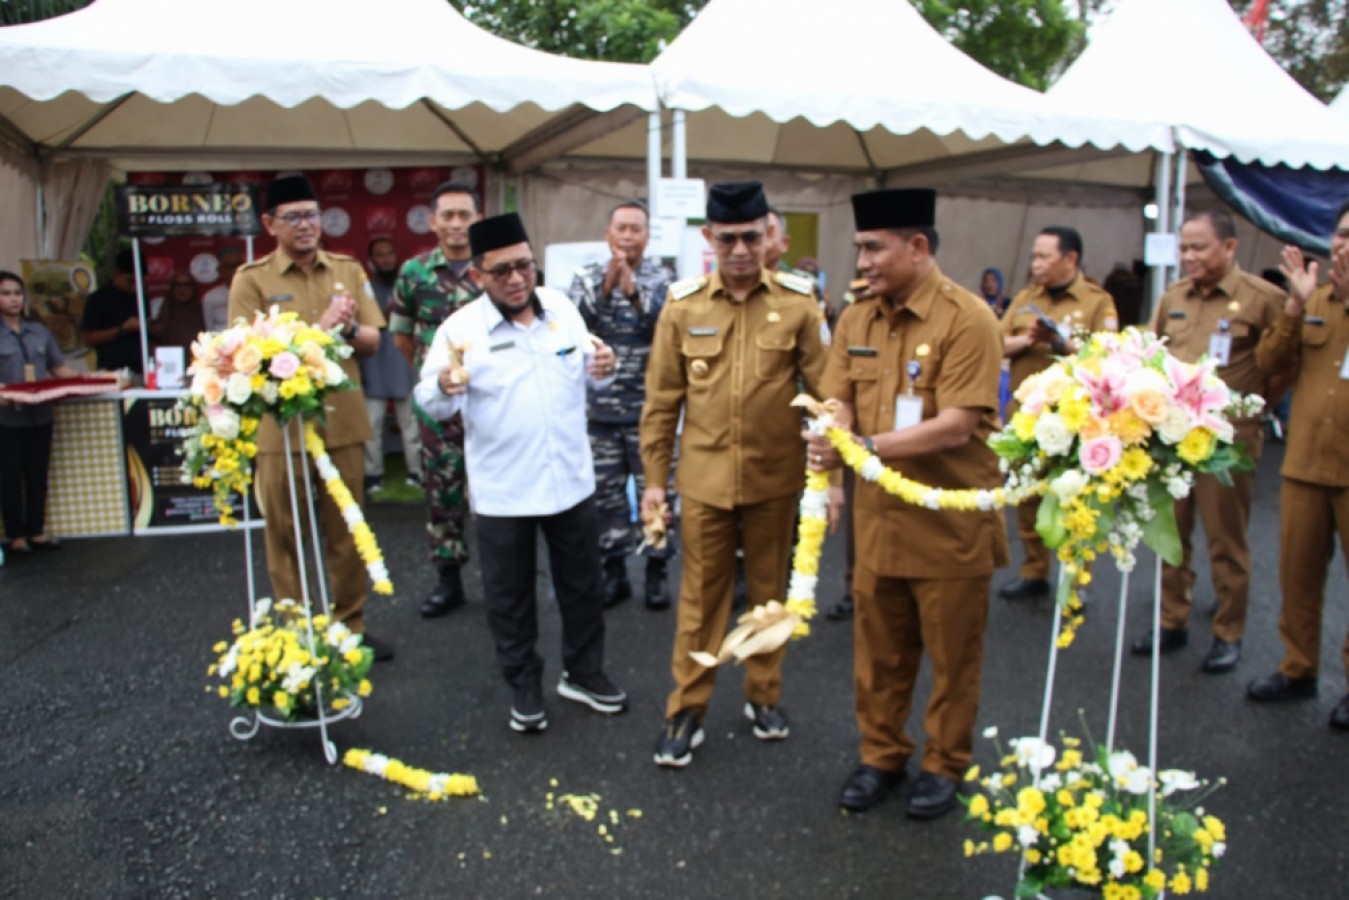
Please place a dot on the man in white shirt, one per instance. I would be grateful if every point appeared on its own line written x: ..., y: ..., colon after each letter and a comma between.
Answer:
x: 514, y: 363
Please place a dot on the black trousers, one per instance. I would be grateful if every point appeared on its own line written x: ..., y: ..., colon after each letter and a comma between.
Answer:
x: 24, y: 456
x: 508, y: 559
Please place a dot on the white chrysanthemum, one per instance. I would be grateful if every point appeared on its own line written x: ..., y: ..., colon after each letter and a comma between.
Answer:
x: 224, y: 423
x: 991, y: 732
x: 269, y: 392
x: 1177, y: 780
x: 1069, y: 484
x: 1175, y: 425
x: 1033, y: 753
x: 1052, y: 434
x: 872, y: 469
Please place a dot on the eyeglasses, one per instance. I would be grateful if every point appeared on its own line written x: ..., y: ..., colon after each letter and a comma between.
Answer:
x: 729, y: 239
x: 503, y: 272
x: 295, y: 218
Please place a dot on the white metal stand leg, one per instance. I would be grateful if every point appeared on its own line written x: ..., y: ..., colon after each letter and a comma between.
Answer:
x: 1119, y: 664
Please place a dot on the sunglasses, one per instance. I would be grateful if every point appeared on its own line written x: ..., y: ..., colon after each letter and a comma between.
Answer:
x: 504, y: 271
x: 729, y: 239
x: 295, y: 218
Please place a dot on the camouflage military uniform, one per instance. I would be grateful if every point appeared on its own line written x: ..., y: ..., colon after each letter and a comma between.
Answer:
x: 613, y: 411
x: 427, y: 292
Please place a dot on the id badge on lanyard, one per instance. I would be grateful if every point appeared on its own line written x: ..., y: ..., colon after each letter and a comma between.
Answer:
x: 908, y: 408
x: 1220, y: 344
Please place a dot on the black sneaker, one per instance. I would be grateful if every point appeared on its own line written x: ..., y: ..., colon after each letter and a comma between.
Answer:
x: 373, y: 483
x: 527, y: 714
x: 595, y: 691
x: 770, y: 723
x: 682, y: 735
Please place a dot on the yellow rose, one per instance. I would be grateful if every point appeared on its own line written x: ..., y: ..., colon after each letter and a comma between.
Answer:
x: 1149, y: 405
x: 1197, y: 446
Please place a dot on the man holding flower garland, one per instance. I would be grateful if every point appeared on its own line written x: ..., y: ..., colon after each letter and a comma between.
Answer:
x: 1221, y: 311
x: 915, y: 368
x: 514, y: 364
x: 301, y: 277
x: 1311, y: 338
x: 729, y: 351
x: 1037, y: 327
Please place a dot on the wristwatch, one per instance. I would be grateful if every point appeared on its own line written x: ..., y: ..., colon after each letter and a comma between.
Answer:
x: 869, y: 444
x: 349, y: 333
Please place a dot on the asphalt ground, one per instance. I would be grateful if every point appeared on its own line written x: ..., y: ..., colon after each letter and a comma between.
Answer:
x: 118, y: 777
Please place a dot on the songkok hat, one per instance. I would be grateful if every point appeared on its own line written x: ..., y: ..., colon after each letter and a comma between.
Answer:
x: 289, y: 189
x: 497, y: 232
x: 736, y: 201
x: 895, y: 208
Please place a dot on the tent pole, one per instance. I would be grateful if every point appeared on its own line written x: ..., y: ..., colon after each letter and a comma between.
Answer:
x: 679, y: 150
x: 653, y: 162
x: 1178, y: 190
x: 142, y: 309
x: 1162, y: 225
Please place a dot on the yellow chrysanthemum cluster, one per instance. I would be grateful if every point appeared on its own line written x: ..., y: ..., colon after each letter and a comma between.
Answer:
x: 432, y: 786
x: 278, y: 663
x: 811, y: 532
x: 1079, y: 826
x: 231, y: 471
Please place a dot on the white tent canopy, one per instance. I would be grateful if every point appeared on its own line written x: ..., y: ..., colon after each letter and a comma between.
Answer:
x: 307, y: 82
x: 1341, y: 103
x: 856, y: 85
x: 1193, y: 65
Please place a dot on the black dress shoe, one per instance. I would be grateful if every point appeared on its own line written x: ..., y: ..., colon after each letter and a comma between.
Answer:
x: 1222, y: 656
x: 933, y: 795
x: 1172, y: 639
x: 1278, y: 687
x: 840, y: 611
x: 447, y: 595
x: 867, y: 786
x: 1024, y: 589
x: 657, y: 591
x: 1339, y: 716
x: 381, y: 650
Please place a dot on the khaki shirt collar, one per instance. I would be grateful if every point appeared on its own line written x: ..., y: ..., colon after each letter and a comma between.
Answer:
x: 1227, y: 285
x: 921, y: 300
x: 1073, y: 289
x: 717, y: 286
x: 282, y: 263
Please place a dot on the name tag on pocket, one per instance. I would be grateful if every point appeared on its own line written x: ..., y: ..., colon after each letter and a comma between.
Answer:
x: 908, y: 411
x: 280, y: 298
x: 863, y: 351
x: 1176, y: 314
x: 504, y: 345
x: 702, y: 332
x: 1315, y: 320
x: 1220, y: 348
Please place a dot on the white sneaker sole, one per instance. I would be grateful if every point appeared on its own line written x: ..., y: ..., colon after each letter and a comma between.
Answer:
x: 528, y: 725
x: 608, y: 705
x: 679, y: 762
x: 776, y: 734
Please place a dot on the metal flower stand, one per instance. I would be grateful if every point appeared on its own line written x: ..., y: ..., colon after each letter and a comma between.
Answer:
x: 1153, y: 696
x: 245, y: 727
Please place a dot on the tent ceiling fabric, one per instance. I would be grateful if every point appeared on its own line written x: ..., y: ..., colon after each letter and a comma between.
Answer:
x: 194, y: 85
x: 1192, y: 64
x: 871, y: 65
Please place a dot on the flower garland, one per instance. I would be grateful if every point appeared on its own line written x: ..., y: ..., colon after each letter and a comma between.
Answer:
x: 813, y: 524
x: 366, y: 545
x: 432, y: 786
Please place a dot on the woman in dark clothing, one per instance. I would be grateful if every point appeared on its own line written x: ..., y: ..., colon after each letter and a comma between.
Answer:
x: 28, y: 352
x: 991, y: 289
x: 180, y: 317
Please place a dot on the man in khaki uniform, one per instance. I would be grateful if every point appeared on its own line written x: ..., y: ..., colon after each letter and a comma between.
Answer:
x: 1219, y: 310
x: 1062, y: 296
x: 729, y: 351
x: 916, y: 369
x: 299, y: 277
x: 1311, y: 339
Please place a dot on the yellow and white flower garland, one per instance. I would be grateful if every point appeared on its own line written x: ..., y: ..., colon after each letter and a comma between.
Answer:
x: 364, y: 538
x: 433, y: 786
x: 813, y: 523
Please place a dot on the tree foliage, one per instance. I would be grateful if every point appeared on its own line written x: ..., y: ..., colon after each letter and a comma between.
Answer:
x: 614, y: 30
x: 1027, y: 41
x: 15, y: 12
x: 1310, y: 39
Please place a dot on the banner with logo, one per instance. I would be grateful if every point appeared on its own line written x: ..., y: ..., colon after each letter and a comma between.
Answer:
x: 188, y: 209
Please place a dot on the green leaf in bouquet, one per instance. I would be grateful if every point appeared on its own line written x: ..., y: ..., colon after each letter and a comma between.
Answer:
x: 1049, y: 521
x: 1028, y: 888
x: 1160, y: 532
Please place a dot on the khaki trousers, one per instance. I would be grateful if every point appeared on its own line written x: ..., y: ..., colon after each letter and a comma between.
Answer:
x: 346, y: 573
x: 1036, y: 563
x: 895, y: 621
x: 1309, y: 517
x: 1226, y: 513
x: 706, y: 587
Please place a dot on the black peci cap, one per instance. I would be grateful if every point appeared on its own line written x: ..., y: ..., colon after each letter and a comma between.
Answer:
x: 895, y: 208
x: 499, y: 231
x: 736, y: 201
x: 289, y: 189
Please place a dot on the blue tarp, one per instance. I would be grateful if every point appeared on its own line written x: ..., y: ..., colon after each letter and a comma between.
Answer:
x: 1295, y: 205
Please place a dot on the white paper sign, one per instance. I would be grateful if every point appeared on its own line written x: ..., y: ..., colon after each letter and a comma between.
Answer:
x: 170, y: 363
x: 1161, y: 250
x: 666, y: 238
x: 560, y: 261
x: 681, y: 198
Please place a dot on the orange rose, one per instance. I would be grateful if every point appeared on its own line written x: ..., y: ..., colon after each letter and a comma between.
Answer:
x: 1149, y: 405
x: 1095, y: 427
x: 247, y: 359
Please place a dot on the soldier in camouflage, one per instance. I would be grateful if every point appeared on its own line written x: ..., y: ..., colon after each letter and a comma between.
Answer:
x: 430, y: 287
x: 621, y: 300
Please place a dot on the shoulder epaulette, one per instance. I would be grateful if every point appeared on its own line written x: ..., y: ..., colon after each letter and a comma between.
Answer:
x: 793, y: 282
x: 343, y: 257
x: 681, y: 289
x: 261, y: 261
